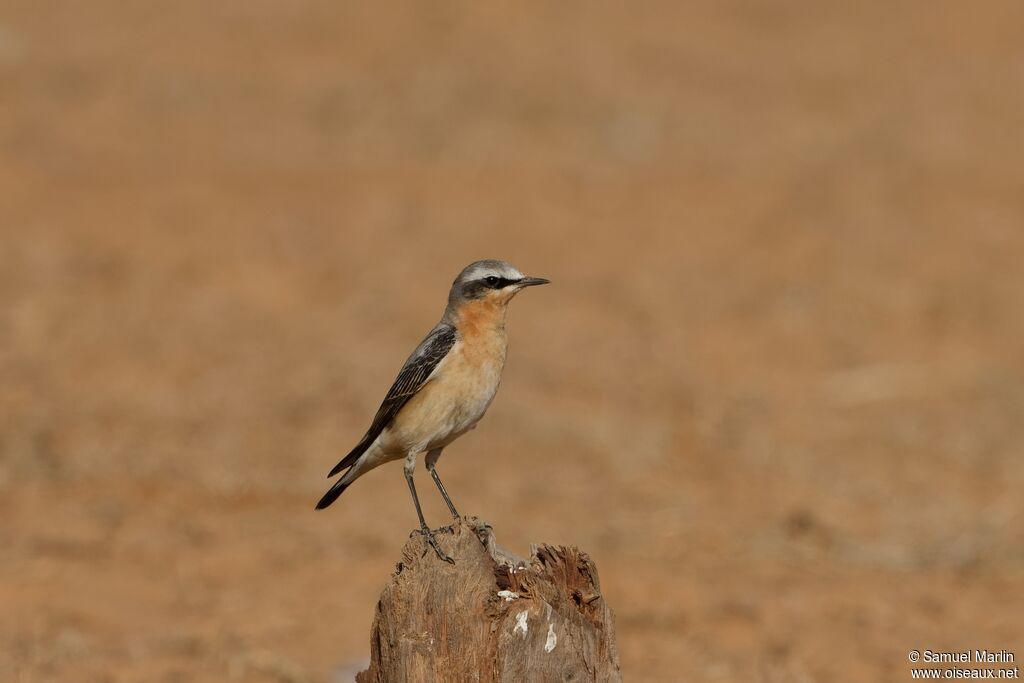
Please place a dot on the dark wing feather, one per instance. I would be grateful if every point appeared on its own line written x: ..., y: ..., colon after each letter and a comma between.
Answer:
x: 411, y: 379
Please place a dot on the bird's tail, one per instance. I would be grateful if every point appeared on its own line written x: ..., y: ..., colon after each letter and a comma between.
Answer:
x: 354, y: 454
x: 333, y: 493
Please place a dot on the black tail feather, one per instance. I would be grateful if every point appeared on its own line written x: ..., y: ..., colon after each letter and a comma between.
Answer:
x: 332, y: 494
x: 351, y: 458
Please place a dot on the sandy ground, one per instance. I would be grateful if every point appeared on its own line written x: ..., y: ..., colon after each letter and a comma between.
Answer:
x: 776, y: 389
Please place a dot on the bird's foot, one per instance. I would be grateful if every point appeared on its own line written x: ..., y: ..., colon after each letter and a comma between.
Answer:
x: 480, y: 528
x: 433, y: 544
x: 450, y: 529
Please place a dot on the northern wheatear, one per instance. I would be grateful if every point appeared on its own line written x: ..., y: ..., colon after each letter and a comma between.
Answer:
x: 445, y: 386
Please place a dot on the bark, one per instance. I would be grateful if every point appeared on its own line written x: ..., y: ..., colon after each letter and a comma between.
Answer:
x: 491, y: 616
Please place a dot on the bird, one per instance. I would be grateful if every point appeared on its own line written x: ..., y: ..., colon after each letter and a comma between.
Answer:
x: 445, y: 386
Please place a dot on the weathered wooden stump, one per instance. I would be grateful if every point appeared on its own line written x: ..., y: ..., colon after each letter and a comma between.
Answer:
x: 491, y: 616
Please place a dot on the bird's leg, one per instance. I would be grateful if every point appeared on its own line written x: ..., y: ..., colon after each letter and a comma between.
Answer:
x: 410, y: 463
x: 432, y: 457
x: 444, y: 494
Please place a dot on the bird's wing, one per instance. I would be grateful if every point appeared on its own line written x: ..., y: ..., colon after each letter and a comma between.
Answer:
x: 414, y: 374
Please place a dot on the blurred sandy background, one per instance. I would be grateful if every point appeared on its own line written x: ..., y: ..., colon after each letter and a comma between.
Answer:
x: 776, y: 389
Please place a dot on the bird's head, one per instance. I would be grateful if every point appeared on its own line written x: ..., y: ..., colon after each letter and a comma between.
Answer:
x: 489, y: 282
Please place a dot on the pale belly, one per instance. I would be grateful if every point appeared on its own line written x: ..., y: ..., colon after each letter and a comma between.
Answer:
x: 447, y: 407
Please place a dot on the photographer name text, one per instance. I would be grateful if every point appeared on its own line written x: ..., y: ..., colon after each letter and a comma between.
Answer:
x: 967, y: 656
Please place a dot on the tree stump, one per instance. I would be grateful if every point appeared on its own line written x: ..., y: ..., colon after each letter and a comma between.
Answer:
x: 491, y: 616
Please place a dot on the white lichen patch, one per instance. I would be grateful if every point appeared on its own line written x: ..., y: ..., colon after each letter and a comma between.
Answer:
x: 508, y: 595
x: 521, y: 623
x: 552, y: 640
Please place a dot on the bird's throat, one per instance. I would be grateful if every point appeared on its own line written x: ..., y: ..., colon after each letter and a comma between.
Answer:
x: 481, y: 319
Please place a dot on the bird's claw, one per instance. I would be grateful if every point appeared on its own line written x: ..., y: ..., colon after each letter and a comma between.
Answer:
x: 433, y: 544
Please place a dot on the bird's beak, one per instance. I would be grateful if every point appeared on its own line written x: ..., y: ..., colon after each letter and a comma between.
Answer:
x: 532, y: 281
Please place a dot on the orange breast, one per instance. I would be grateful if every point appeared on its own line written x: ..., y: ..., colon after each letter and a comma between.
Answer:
x: 481, y: 326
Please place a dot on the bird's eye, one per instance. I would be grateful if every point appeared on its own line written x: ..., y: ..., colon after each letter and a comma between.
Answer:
x: 491, y: 280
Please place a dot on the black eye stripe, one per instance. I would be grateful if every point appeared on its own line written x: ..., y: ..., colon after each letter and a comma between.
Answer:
x: 494, y: 282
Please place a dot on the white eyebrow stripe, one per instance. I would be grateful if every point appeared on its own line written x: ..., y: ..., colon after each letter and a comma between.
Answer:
x: 482, y: 270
